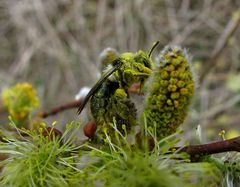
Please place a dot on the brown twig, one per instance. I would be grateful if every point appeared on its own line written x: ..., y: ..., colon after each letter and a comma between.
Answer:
x: 229, y: 30
x: 213, y: 148
x: 61, y: 108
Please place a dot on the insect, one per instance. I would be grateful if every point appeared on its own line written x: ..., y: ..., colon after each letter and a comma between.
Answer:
x: 169, y: 93
x: 109, y: 97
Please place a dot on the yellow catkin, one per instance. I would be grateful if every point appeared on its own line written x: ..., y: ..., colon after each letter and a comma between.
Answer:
x: 171, y: 92
x: 20, y: 100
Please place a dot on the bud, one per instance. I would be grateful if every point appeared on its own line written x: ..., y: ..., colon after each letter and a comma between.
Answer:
x: 90, y: 129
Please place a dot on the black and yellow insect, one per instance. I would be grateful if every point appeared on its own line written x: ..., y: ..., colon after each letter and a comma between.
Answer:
x: 109, y: 98
x: 169, y: 94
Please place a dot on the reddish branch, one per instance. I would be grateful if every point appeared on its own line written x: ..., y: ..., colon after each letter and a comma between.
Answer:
x: 213, y: 148
x: 54, y: 111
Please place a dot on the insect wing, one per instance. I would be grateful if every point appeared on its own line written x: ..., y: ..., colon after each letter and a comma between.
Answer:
x: 116, y: 64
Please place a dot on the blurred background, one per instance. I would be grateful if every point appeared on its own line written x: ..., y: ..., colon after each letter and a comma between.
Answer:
x: 55, y: 45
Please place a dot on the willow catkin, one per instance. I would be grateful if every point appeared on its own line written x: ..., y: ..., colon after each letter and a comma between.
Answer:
x: 170, y: 92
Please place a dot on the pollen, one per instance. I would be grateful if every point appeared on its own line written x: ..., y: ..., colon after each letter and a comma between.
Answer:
x: 172, y: 92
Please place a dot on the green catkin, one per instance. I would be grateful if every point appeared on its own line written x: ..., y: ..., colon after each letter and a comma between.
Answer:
x: 170, y: 93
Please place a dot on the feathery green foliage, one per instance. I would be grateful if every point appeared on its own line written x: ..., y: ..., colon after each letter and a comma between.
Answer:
x: 126, y: 165
x: 50, y: 160
x: 39, y: 160
x: 232, y: 169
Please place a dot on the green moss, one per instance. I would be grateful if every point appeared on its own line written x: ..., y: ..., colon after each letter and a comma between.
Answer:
x: 171, y: 92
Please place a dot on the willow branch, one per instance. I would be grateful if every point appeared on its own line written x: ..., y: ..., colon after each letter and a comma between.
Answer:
x: 212, y: 148
x: 61, y: 108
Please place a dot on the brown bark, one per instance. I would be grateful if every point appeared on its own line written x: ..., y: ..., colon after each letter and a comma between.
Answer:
x: 212, y: 148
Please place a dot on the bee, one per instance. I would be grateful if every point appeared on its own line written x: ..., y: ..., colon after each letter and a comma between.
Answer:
x: 109, y: 98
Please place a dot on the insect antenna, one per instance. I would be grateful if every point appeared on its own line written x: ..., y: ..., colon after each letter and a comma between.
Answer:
x: 153, y: 47
x: 116, y: 65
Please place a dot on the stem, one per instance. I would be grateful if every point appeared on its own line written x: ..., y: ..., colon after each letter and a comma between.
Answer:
x: 213, y: 148
x: 61, y: 108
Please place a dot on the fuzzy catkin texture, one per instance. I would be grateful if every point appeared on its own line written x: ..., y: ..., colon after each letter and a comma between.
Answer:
x: 170, y: 93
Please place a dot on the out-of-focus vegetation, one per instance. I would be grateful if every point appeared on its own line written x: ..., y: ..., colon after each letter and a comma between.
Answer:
x: 56, y: 44
x: 20, y: 100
